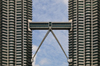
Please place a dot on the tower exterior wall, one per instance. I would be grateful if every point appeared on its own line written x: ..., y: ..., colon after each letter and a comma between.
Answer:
x: 15, y: 39
x: 84, y: 37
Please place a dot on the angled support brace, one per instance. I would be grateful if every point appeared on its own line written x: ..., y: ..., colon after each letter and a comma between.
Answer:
x: 59, y: 43
x: 43, y: 41
x: 40, y: 45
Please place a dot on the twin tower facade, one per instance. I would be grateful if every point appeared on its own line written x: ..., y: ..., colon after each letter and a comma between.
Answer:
x: 84, y: 38
x: 16, y: 40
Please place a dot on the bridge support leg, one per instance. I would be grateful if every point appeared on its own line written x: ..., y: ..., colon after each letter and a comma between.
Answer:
x: 40, y: 45
x: 50, y: 30
x: 59, y: 43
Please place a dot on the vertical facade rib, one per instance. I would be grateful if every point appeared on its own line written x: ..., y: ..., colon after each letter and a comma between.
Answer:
x: 84, y: 37
x: 15, y: 39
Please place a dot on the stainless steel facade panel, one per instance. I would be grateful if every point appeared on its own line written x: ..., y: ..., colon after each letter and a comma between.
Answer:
x: 15, y: 39
x: 84, y: 38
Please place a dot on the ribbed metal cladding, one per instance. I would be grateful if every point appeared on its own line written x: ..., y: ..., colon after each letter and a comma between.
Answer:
x: 15, y: 39
x: 84, y: 37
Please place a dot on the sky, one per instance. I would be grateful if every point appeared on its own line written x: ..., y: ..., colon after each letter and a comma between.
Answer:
x: 50, y: 53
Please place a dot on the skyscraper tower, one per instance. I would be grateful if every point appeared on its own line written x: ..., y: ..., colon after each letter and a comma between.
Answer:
x: 84, y: 37
x: 15, y: 39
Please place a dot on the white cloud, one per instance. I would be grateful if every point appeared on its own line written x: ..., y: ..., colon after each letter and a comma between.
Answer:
x: 65, y: 1
x: 34, y: 48
x: 33, y: 64
x: 34, y: 61
x: 44, y: 61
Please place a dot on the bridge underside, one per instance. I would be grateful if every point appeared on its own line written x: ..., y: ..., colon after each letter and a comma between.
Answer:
x: 47, y: 25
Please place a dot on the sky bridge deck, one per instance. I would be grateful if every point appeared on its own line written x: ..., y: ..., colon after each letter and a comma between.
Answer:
x: 47, y: 25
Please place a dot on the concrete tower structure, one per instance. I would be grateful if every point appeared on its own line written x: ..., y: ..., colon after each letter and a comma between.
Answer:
x: 84, y: 37
x: 15, y: 39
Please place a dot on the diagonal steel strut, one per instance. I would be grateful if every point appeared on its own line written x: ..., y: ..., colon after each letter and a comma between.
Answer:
x: 59, y: 43
x: 43, y: 41
x: 40, y: 44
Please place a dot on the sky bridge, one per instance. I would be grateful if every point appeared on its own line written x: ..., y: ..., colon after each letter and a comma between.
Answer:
x: 50, y: 26
x: 53, y: 25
